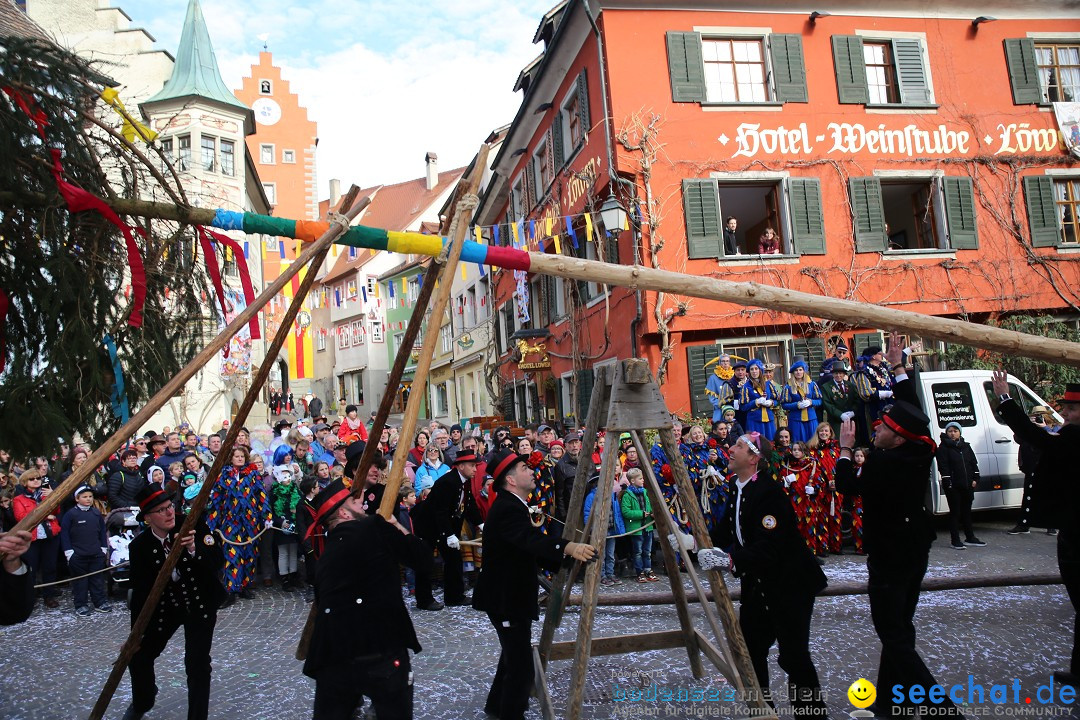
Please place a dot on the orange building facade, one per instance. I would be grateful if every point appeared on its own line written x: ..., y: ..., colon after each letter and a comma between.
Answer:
x: 283, y: 149
x: 906, y: 161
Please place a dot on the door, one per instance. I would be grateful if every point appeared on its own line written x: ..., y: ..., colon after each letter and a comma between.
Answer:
x: 955, y: 398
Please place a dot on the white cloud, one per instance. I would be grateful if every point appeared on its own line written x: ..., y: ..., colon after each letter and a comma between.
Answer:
x: 386, y: 81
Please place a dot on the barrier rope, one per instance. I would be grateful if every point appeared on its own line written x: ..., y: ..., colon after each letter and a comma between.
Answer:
x: 80, y: 577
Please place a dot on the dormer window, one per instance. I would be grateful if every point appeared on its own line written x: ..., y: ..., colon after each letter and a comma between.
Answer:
x: 266, y: 87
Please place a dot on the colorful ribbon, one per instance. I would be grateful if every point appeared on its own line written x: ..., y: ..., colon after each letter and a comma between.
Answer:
x: 245, y: 277
x: 214, y: 271
x: 28, y: 106
x: 131, y: 127
x: 119, y: 392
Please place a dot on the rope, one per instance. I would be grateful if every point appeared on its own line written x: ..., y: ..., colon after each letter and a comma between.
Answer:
x: 80, y: 577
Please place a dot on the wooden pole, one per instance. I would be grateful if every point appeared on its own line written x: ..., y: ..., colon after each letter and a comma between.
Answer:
x: 427, y: 352
x: 138, y: 628
x: 175, y: 384
x: 852, y: 312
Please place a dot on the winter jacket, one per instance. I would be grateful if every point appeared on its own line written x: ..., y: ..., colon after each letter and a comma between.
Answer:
x: 123, y: 486
x: 23, y: 504
x: 636, y: 509
x: 427, y: 475
x: 83, y: 531
x: 615, y: 522
x: 284, y: 497
x: 957, y: 464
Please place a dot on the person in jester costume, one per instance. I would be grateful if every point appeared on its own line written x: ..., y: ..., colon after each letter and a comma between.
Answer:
x: 239, y: 509
x: 825, y: 448
x: 801, y: 399
x: 710, y: 489
x: 541, y: 500
x: 717, y: 389
x: 801, y: 474
x: 759, y: 398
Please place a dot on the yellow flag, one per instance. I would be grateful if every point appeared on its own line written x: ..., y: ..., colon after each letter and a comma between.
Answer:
x: 588, y: 226
x: 131, y: 127
x: 558, y: 245
x: 514, y: 230
x: 479, y: 234
x: 463, y: 276
x: 405, y: 286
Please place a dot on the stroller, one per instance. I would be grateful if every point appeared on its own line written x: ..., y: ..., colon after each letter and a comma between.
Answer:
x: 121, y: 527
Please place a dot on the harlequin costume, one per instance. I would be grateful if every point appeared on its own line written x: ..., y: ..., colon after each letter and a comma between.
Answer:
x: 239, y: 509
x: 802, y: 421
x: 709, y: 484
x: 874, y: 384
x: 805, y: 494
x: 542, y: 499
x: 832, y: 502
x: 759, y: 417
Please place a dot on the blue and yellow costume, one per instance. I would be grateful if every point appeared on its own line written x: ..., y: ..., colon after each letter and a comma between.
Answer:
x: 802, y: 421
x: 759, y: 416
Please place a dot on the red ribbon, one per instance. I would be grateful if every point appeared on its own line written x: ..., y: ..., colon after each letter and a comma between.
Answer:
x: 245, y: 277
x: 215, y: 273
x: 79, y: 200
x: 28, y: 106
x: 3, y: 321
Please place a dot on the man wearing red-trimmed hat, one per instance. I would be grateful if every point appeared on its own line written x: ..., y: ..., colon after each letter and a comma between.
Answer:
x: 897, y: 529
x: 191, y: 600
x: 437, y: 521
x: 362, y: 634
x: 1055, y: 501
x: 507, y: 587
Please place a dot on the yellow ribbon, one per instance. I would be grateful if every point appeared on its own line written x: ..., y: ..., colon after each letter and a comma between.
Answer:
x: 131, y: 127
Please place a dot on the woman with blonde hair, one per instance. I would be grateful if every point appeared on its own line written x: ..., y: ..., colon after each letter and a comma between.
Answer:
x: 45, y: 543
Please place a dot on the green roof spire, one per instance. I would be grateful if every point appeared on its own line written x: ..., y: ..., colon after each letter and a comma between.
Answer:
x: 196, y: 73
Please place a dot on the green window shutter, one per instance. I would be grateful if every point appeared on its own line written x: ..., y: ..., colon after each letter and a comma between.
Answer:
x: 960, y: 212
x: 910, y: 73
x: 584, y: 379
x: 807, y: 216
x: 788, y: 68
x: 583, y: 103
x: 704, y: 236
x: 1042, y: 211
x: 696, y: 357
x: 550, y: 290
x: 850, y: 69
x: 686, y: 67
x: 812, y: 350
x: 865, y: 340
x: 1023, y: 70
x: 508, y: 402
x: 869, y: 211
x: 557, y: 141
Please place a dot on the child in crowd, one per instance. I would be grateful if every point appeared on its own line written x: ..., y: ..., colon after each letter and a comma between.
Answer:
x: 284, y: 498
x: 615, y: 525
x: 735, y: 430
x: 802, y: 478
x: 322, y: 474
x: 859, y: 456
x: 192, y: 485
x: 636, y: 512
x: 192, y: 464
x: 176, y: 471
x: 406, y: 502
x: 156, y: 476
x: 85, y: 545
x: 337, y: 472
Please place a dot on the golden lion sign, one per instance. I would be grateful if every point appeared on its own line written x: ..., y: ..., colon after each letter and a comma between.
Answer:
x: 542, y: 363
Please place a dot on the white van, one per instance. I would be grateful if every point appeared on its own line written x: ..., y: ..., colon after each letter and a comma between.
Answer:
x: 964, y: 397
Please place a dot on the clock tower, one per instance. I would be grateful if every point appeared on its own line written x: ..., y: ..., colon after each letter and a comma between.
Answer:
x: 283, y: 148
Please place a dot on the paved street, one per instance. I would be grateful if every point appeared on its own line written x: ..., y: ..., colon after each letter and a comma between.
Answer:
x: 55, y: 664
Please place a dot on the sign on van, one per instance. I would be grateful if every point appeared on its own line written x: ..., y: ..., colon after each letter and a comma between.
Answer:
x: 953, y: 403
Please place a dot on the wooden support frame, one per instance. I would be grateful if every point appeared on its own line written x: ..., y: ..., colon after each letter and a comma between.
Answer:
x: 629, y: 400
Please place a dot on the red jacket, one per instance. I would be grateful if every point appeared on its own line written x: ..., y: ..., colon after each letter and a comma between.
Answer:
x: 345, y: 432
x: 23, y: 504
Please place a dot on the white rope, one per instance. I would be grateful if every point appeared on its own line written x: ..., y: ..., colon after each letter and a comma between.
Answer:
x: 80, y: 577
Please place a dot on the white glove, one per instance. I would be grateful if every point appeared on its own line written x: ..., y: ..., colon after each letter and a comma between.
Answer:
x: 845, y: 416
x: 760, y: 401
x: 714, y: 559
x: 481, y: 527
x: 68, y: 554
x: 884, y: 394
x: 104, y: 551
x: 810, y: 490
x: 681, y: 541
x: 769, y: 403
x: 452, y: 542
x: 788, y: 479
x: 735, y: 404
x: 268, y: 524
x: 803, y: 404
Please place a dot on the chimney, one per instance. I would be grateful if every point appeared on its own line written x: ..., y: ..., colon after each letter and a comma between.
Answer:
x: 335, y: 191
x: 432, y: 161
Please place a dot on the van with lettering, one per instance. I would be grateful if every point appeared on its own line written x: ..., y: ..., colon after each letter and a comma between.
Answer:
x: 967, y: 398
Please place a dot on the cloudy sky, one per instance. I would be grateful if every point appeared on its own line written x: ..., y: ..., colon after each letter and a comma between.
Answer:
x: 386, y: 80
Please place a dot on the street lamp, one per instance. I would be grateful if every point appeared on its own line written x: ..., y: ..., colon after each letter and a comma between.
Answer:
x: 612, y: 215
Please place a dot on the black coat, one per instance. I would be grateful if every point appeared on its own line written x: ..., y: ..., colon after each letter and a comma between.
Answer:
x: 440, y: 515
x: 564, y: 474
x: 1055, y: 499
x: 514, y: 550
x: 773, y: 552
x: 124, y: 485
x: 957, y: 464
x: 897, y: 529
x: 358, y: 593
x: 199, y: 591
x: 16, y: 596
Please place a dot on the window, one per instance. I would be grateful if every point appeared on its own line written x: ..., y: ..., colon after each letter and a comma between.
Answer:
x: 742, y: 69
x: 343, y: 336
x: 399, y: 340
x: 913, y: 214
x: 483, y: 306
x: 1052, y: 207
x: 184, y: 142
x: 357, y: 332
x: 266, y: 87
x: 799, y: 223
x: 414, y: 289
x: 229, y: 267
x: 442, y: 399
x: 320, y: 341
x: 542, y: 169
x: 884, y: 71
x: 271, y: 192
x: 698, y: 355
x: 167, y: 152
x: 358, y: 379
x: 266, y: 154
x: 1059, y: 72
x: 587, y: 291
x: 517, y: 200
x: 469, y: 307
x: 209, y: 152
x: 371, y: 281
x: 572, y: 122
x: 1026, y: 400
x: 350, y: 289
x: 228, y: 157
x: 446, y: 336
x: 377, y: 332
x: 288, y: 156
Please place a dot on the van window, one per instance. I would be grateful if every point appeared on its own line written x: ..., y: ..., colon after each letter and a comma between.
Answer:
x: 1027, y: 400
x: 953, y: 403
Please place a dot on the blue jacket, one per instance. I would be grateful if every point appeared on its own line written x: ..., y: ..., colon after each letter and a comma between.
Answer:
x: 615, y: 522
x: 83, y: 531
x: 427, y: 475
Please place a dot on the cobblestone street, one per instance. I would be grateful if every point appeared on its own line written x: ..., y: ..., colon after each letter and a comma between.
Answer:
x: 55, y: 664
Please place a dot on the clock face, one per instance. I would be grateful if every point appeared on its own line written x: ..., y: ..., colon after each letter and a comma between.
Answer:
x: 267, y: 112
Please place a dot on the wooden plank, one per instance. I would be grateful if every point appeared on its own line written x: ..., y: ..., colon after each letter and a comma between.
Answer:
x: 636, y: 406
x: 711, y: 651
x: 636, y: 371
x: 540, y: 686
x: 621, y: 644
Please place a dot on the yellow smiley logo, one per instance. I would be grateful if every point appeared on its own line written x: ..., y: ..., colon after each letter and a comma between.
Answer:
x: 862, y: 693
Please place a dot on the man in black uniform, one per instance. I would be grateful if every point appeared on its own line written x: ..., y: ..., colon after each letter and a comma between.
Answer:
x: 780, y: 576
x: 507, y: 588
x: 362, y: 635
x: 190, y: 600
x: 1054, y: 500
x: 16, y: 580
x: 437, y: 521
x: 897, y: 529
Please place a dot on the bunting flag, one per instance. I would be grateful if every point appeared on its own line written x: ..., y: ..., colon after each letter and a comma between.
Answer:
x: 131, y: 127
x: 495, y: 235
x: 532, y: 231
x: 246, y: 250
x: 363, y: 291
x: 3, y: 321
x: 233, y: 249
x: 390, y: 287
x: 281, y: 249
x: 479, y: 232
x: 514, y: 231
x: 405, y: 287
x: 588, y: 227
x: 78, y: 200
x: 337, y: 298
x: 119, y: 392
x: 570, y: 232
